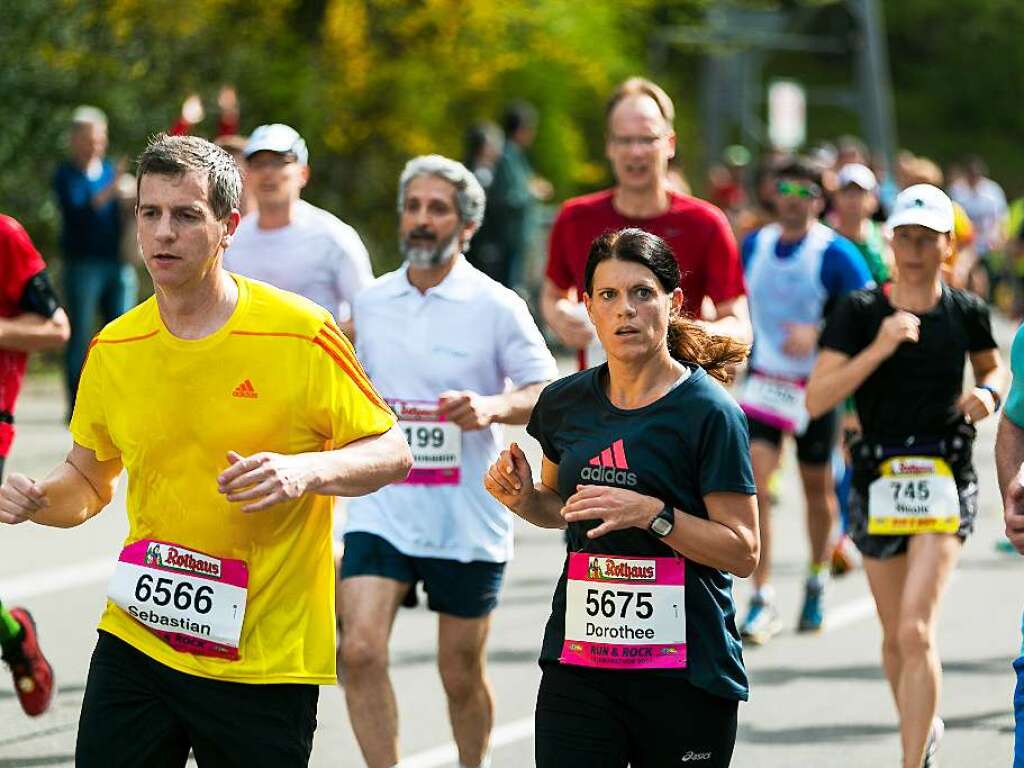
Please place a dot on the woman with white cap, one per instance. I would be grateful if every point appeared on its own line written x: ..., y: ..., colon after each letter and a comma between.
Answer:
x: 900, y: 351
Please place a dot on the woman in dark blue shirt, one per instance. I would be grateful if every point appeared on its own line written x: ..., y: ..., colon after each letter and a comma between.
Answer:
x: 647, y: 461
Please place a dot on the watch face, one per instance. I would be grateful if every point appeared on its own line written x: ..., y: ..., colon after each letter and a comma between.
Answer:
x: 661, y: 526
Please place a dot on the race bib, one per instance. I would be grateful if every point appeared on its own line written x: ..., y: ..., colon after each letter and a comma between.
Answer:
x: 775, y: 401
x: 192, y: 601
x: 625, y: 612
x: 436, y: 444
x: 914, y: 494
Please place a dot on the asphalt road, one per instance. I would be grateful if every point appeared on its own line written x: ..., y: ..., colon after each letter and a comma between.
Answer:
x: 815, y: 701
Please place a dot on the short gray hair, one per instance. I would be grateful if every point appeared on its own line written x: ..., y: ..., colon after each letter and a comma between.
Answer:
x: 176, y: 155
x: 469, y: 195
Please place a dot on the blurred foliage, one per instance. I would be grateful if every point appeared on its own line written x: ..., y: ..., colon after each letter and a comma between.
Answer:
x: 370, y: 83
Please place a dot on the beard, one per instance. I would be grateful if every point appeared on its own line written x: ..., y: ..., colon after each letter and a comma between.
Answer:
x: 426, y: 256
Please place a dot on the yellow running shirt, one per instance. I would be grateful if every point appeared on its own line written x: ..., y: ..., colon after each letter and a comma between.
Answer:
x: 278, y: 376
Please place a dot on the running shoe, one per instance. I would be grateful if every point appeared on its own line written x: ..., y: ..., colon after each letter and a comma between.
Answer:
x: 33, y: 676
x: 812, y: 615
x: 845, y: 557
x: 931, y: 749
x: 1005, y: 547
x: 762, y: 622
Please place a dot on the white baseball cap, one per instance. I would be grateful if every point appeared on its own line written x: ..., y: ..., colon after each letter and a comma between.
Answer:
x: 860, y: 175
x: 924, y: 205
x: 277, y: 137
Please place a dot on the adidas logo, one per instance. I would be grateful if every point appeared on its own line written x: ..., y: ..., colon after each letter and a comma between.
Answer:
x: 610, y: 466
x: 245, y: 389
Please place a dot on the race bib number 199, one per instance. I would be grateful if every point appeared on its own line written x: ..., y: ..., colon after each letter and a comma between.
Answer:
x: 192, y: 601
x: 436, y: 444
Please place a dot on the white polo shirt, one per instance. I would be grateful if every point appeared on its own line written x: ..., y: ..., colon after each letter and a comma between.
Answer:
x: 317, y: 256
x: 467, y: 333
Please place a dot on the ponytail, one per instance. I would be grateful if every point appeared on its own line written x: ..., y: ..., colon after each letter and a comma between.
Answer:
x: 689, y: 342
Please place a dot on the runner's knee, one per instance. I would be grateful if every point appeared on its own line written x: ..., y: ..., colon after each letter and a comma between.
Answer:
x: 914, y: 638
x: 360, y: 653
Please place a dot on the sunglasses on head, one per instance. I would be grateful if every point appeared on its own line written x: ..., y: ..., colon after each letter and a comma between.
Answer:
x: 793, y: 188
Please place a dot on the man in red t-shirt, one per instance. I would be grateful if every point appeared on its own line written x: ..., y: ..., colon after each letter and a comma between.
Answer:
x: 30, y: 320
x: 640, y: 143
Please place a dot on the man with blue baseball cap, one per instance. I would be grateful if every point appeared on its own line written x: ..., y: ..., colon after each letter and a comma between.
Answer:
x: 288, y: 242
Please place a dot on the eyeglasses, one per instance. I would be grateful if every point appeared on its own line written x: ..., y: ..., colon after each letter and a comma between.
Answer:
x: 793, y: 189
x: 265, y: 159
x: 643, y: 142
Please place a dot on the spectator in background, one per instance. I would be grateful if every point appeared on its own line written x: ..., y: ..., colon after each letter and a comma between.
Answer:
x: 852, y: 207
x: 726, y: 178
x: 94, y: 275
x: 234, y: 145
x: 484, y: 144
x: 501, y: 247
x: 193, y: 113
x: 762, y: 211
x: 850, y: 149
x: 286, y: 241
x: 985, y: 202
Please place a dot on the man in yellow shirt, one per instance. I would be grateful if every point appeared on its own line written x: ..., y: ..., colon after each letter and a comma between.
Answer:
x: 238, y: 411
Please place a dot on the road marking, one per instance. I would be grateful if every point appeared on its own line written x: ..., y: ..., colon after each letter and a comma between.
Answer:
x: 52, y: 580
x: 446, y: 754
x: 849, y: 613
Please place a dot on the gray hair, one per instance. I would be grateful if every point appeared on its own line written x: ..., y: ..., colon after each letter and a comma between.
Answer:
x: 469, y: 195
x: 86, y: 115
x: 176, y: 155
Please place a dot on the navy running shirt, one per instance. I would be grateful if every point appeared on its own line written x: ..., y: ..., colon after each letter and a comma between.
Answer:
x: 691, y: 442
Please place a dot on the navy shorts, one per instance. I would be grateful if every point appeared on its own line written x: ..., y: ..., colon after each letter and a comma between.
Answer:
x: 467, y: 590
x: 814, y: 446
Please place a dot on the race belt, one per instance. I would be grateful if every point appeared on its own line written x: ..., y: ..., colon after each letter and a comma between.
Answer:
x: 193, y: 601
x: 625, y: 612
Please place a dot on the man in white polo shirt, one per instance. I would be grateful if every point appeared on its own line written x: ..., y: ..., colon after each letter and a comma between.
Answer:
x: 456, y: 354
x: 286, y: 241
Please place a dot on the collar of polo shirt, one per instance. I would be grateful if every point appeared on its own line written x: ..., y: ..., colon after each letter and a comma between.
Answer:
x: 456, y: 286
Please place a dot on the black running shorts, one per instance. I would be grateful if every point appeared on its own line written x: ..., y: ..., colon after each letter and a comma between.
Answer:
x: 138, y: 713
x: 611, y: 719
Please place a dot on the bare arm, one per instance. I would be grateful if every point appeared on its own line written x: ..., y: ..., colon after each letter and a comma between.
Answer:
x: 73, y: 492
x: 836, y: 376
x: 558, y: 310
x: 978, y: 403
x: 732, y: 319
x: 1009, y: 454
x: 728, y: 540
x: 361, y: 467
x: 30, y: 332
x: 472, y: 411
x: 510, y: 481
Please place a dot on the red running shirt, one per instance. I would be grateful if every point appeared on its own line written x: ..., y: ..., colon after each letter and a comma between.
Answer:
x: 697, y: 232
x: 19, y: 262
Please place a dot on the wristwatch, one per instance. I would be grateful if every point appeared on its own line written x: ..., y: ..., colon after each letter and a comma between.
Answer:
x: 996, y: 397
x: 662, y: 525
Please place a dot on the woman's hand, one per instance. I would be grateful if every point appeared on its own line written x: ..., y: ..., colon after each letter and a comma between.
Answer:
x: 510, y: 479
x: 976, y: 405
x: 897, y: 328
x: 616, y: 507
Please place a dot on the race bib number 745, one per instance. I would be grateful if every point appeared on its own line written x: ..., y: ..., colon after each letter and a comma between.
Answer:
x: 914, y: 494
